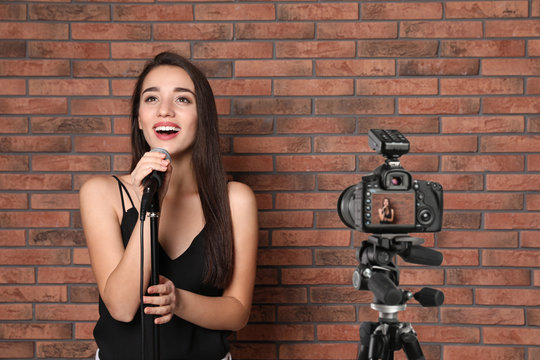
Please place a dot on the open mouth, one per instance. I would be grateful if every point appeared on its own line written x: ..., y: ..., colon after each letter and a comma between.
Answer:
x: 166, y: 130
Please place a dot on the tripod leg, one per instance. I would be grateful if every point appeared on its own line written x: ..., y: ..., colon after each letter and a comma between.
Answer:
x: 411, y: 346
x: 366, y: 328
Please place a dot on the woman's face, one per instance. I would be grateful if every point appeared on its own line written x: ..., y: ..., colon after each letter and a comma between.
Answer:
x: 386, y: 202
x: 168, y: 109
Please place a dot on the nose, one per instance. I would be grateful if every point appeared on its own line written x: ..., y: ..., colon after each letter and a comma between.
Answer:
x: 165, y: 109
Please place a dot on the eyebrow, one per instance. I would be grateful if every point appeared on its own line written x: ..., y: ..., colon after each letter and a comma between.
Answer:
x: 176, y: 89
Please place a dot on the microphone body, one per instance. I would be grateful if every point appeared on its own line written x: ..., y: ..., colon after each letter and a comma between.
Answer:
x: 151, y: 184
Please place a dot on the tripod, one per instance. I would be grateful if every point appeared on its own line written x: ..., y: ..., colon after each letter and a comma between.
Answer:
x: 377, y: 273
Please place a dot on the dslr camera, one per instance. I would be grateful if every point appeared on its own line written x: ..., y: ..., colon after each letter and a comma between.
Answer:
x: 389, y: 200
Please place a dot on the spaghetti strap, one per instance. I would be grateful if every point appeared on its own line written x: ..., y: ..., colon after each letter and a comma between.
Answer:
x: 123, y: 189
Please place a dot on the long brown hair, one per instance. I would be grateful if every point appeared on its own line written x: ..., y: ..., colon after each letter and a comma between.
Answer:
x: 207, y: 164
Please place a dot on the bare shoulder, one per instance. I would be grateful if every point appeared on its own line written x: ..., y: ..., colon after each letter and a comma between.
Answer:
x: 100, y: 193
x: 97, y: 186
x: 240, y: 194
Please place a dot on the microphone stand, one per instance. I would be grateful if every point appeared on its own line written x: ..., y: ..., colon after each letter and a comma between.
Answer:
x: 153, y: 214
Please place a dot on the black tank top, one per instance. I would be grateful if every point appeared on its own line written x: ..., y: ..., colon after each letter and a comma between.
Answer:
x: 179, y: 339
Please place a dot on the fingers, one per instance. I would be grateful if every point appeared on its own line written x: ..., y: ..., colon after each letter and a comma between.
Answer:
x: 149, y: 162
x: 163, y: 302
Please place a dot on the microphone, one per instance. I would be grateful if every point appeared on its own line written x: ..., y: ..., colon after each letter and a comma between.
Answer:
x: 151, y: 183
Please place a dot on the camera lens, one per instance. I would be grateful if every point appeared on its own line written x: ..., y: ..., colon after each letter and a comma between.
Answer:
x: 396, y: 180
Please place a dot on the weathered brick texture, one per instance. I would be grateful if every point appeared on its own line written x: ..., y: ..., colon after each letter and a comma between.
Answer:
x: 298, y: 85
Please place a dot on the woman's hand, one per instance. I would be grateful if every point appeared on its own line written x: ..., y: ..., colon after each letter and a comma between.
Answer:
x: 150, y: 161
x: 164, y: 300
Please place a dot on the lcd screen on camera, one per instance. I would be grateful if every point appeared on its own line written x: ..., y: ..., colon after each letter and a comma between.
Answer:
x: 393, y: 208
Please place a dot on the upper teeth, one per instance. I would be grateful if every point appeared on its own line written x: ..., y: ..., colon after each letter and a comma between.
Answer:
x: 167, y: 128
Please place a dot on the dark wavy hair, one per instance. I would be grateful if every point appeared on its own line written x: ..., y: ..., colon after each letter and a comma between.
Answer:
x: 207, y: 164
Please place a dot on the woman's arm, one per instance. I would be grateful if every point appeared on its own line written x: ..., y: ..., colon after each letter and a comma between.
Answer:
x: 230, y: 311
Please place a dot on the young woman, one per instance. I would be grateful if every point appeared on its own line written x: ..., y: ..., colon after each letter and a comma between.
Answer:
x: 207, y: 228
x: 386, y: 213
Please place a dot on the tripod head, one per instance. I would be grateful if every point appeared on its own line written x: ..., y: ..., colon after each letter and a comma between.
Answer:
x: 377, y: 272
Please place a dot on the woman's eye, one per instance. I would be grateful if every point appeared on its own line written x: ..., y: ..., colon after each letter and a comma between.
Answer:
x: 150, y: 99
x: 183, y: 99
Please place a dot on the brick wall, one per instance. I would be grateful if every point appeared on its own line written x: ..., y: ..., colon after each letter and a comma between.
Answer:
x: 298, y: 85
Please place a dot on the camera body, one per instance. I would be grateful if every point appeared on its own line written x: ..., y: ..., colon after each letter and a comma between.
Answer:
x: 389, y: 200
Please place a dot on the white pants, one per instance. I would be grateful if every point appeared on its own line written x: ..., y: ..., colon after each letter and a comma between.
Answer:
x: 227, y: 357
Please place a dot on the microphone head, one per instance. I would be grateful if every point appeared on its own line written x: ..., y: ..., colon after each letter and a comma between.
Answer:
x: 163, y: 151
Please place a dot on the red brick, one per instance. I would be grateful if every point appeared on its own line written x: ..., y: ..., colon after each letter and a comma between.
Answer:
x: 487, y: 316
x: 305, y: 125
x: 100, y: 106
x: 452, y: 334
x: 481, y: 277
x: 165, y: 12
x: 483, y: 201
x: 459, y: 257
x: 188, y: 31
x: 102, y: 144
x: 286, y: 219
x: 357, y: 30
x: 65, y: 349
x: 533, y: 201
x: 69, y: 125
x: 397, y: 48
x: 68, y: 50
x: 533, y: 86
x: 82, y: 87
x: 498, y: 86
x: 316, y: 313
x: 512, y: 28
x: 444, y: 105
x: 254, y: 350
x: 534, y: 47
x: 58, y: 275
x: 456, y: 352
x: 34, y: 31
x: 17, y: 349
x: 273, y: 68
x: 315, y: 163
x: 12, y: 12
x: 482, y: 124
x: 510, y: 258
x: 56, y: 237
x: 268, y: 106
x: 391, y: 11
x: 517, y: 297
x: 246, y: 31
x: 69, y: 12
x: 238, y: 50
x: 14, y: 163
x: 315, y: 276
x: 14, y: 201
x: 481, y: 9
x: 513, y: 182
x: 329, y: 11
x: 146, y: 50
x: 483, y: 163
x: 79, y: 312
x: 441, y: 29
x: 318, y: 351
x: 12, y: 87
x: 421, y: 276
x: 84, y: 331
x: 34, y: 68
x: 342, y: 295
x: 14, y: 125
x: 97, y: 31
x: 234, y: 12
x: 234, y: 87
x: 35, y: 182
x: 28, y: 105
x: 512, y: 221
x: 12, y: 238
x: 354, y: 106
x: 517, y: 336
x: 338, y: 332
x: 497, y: 67
x: 32, y: 143
x: 318, y: 49
x: 12, y: 48
x: 107, y: 68
x: 17, y: 276
x: 510, y: 144
x: 405, y: 124
x: 533, y: 162
x: 444, y: 67
x: 15, y: 312
x: 482, y: 48
x: 35, y: 331
x: 314, y: 87
x: 33, y: 293
x: 35, y: 256
x: 279, y: 332
x: 279, y: 295
x: 248, y: 163
x: 335, y: 258
x: 397, y: 87
x: 272, y: 145
x: 512, y: 105
x: 306, y: 201
x: 311, y: 238
x: 462, y: 220
x: 364, y: 67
